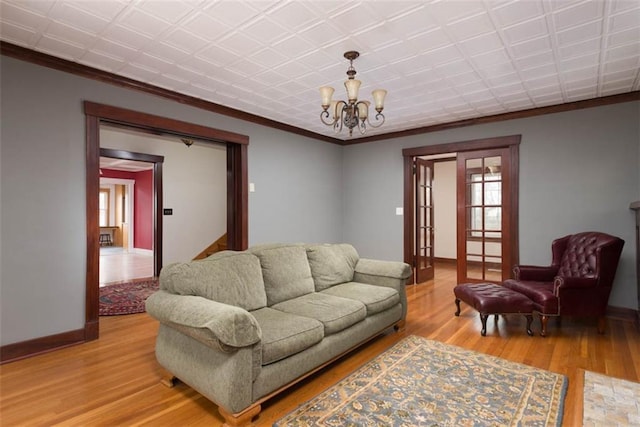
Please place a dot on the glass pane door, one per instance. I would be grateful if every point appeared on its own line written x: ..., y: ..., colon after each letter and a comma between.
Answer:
x: 482, y: 199
x: 424, y: 220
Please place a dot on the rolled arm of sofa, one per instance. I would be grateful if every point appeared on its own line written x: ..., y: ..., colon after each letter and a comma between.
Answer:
x: 391, y: 274
x: 393, y: 271
x: 205, y: 320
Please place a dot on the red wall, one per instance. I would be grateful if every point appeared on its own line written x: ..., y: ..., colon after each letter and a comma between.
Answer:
x: 142, y: 205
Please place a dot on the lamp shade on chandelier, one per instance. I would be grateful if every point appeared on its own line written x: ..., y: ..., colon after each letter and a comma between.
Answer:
x: 351, y: 113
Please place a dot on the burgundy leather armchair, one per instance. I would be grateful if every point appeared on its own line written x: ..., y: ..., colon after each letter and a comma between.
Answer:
x: 578, y: 281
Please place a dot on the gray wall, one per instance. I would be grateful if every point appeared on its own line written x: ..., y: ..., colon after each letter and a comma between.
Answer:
x: 578, y: 172
x: 42, y: 187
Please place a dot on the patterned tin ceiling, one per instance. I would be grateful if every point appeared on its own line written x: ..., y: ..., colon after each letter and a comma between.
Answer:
x: 441, y: 61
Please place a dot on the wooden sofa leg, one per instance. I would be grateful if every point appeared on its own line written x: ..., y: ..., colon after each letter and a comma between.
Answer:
x: 400, y: 325
x: 168, y: 379
x: 241, y: 419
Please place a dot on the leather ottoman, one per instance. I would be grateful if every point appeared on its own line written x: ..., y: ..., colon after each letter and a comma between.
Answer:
x: 490, y: 298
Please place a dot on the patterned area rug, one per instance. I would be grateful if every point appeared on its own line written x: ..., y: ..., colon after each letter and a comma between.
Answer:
x: 126, y: 297
x: 610, y: 401
x: 420, y: 382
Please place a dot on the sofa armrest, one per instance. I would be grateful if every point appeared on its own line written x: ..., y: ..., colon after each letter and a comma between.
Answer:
x: 535, y: 273
x: 205, y: 320
x: 383, y: 269
x: 391, y: 274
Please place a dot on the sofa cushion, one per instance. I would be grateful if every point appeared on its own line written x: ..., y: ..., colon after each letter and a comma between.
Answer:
x: 335, y: 313
x: 331, y: 264
x: 229, y: 277
x: 375, y: 298
x: 286, y: 272
x: 284, y: 334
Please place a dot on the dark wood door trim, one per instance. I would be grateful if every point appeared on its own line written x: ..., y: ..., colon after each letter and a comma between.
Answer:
x: 93, y: 246
x: 237, y: 186
x: 237, y: 197
x: 165, y: 125
x: 512, y: 142
x: 471, y: 145
x: 409, y: 214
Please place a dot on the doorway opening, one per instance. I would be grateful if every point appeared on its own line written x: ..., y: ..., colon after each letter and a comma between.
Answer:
x: 128, y: 216
x: 236, y: 183
x: 485, y: 184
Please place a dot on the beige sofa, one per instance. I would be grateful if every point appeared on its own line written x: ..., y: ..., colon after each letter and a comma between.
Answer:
x: 239, y: 327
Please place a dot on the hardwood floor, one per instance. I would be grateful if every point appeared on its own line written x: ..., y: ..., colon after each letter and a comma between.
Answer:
x: 114, y: 381
x: 116, y: 265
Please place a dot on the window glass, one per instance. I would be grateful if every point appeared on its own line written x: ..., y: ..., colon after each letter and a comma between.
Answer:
x: 487, y: 193
x: 103, y: 208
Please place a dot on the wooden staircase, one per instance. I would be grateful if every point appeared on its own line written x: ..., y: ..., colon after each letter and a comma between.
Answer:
x: 217, y: 246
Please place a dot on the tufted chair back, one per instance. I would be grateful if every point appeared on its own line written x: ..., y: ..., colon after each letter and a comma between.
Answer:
x: 588, y: 255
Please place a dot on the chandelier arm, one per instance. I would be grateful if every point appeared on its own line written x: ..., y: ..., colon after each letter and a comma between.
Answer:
x: 337, y: 126
x: 378, y: 116
x: 361, y: 122
x: 323, y: 115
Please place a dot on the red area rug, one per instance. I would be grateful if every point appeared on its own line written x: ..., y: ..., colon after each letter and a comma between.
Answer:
x: 126, y: 297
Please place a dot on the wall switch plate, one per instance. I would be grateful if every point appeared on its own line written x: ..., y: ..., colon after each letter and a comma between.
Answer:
x: 252, y: 187
x: 399, y: 211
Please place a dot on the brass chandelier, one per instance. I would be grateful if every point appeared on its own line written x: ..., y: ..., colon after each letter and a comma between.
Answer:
x: 351, y: 113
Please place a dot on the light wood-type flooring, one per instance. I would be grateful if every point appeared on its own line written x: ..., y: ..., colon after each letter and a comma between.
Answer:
x: 114, y: 381
x: 118, y: 265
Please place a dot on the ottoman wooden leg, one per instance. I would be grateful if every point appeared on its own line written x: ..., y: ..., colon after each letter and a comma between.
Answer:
x: 458, y: 307
x: 529, y: 320
x: 483, y: 319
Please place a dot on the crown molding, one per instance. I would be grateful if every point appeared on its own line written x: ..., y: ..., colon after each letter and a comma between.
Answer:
x: 43, y: 59
x: 39, y: 58
x: 551, y: 109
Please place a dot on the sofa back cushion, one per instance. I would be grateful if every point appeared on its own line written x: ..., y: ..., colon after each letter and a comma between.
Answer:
x: 332, y: 264
x: 285, y: 270
x: 229, y: 277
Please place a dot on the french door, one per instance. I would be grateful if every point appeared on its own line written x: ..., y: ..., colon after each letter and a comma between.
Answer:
x: 486, y: 208
x: 484, y: 217
x: 424, y: 220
